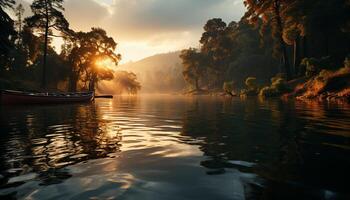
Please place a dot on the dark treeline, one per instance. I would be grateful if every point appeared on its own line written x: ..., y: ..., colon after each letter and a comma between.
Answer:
x: 275, y: 41
x: 288, y: 39
x: 28, y: 59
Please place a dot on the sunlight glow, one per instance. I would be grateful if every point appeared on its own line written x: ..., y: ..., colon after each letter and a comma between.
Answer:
x: 105, y: 64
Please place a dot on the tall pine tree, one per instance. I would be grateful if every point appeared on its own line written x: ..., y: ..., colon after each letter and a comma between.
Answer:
x: 19, y: 10
x: 47, y: 15
x: 270, y: 12
x: 6, y: 27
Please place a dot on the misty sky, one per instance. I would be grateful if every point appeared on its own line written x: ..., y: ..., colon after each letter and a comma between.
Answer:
x: 146, y: 27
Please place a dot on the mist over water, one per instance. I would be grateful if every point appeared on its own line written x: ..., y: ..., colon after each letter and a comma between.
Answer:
x: 158, y: 74
x: 175, y: 147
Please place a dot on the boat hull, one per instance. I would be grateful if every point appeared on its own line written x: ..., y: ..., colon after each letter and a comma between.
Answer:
x: 15, y: 97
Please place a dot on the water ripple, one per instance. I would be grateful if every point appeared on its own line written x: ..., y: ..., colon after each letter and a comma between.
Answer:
x: 116, y: 148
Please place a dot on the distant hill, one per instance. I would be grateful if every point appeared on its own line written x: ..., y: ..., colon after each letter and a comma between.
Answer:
x: 159, y: 73
x: 155, y: 62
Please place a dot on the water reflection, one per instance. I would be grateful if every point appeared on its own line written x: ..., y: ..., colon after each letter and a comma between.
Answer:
x: 133, y: 147
x: 44, y: 139
x: 294, y: 146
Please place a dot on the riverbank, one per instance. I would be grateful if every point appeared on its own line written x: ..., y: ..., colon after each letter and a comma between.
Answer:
x: 327, y: 85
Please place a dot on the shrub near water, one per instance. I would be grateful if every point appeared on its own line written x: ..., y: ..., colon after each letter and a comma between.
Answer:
x: 327, y: 84
x: 312, y: 66
x: 228, y: 88
x: 277, y: 88
x: 251, y: 87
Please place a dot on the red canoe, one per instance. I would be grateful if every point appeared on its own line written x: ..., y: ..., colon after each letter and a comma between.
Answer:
x: 19, y: 97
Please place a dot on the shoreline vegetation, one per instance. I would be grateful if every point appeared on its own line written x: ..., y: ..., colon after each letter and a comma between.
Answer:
x: 29, y: 60
x: 295, y: 49
x: 327, y: 85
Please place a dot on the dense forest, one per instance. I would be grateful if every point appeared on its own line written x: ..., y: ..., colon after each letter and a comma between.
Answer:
x: 28, y: 60
x: 276, y: 46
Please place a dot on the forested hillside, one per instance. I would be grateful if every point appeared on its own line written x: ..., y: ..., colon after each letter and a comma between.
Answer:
x: 274, y: 43
x: 161, y: 73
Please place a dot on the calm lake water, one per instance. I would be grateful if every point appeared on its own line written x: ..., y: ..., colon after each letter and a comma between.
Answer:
x: 173, y: 147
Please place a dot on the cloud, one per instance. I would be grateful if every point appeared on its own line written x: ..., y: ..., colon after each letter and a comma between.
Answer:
x: 82, y: 15
x: 144, y: 18
x: 146, y: 27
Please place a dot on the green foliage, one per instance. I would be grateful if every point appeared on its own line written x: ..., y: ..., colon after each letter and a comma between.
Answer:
x: 279, y: 81
x: 127, y: 81
x: 251, y: 83
x: 313, y: 65
x: 251, y: 87
x: 19, y: 11
x: 267, y: 92
x: 278, y: 87
x: 347, y: 62
x: 307, y: 64
x: 234, y: 51
x: 279, y: 84
x: 270, y: 13
x: 84, y: 50
x: 194, y: 64
x: 7, y: 32
x: 228, y: 50
x: 21, y: 57
x: 218, y: 47
x: 327, y: 84
x: 47, y: 14
x: 228, y: 87
x: 31, y: 45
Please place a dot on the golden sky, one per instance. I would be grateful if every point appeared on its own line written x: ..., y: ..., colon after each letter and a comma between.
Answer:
x: 146, y: 27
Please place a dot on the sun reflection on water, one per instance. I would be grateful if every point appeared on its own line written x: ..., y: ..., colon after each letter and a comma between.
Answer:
x: 112, y: 147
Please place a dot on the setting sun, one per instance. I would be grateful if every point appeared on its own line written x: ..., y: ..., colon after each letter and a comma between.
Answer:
x: 105, y: 64
x: 174, y: 99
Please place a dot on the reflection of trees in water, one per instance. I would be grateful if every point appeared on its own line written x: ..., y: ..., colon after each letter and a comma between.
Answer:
x: 129, y: 102
x: 275, y: 135
x: 45, y: 139
x: 230, y: 131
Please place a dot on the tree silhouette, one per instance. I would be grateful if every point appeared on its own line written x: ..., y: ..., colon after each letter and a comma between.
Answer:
x: 6, y: 31
x: 327, y: 18
x: 218, y: 46
x: 84, y: 50
x: 294, y: 31
x: 19, y: 10
x: 270, y: 12
x: 47, y: 15
x: 194, y: 66
x: 126, y: 81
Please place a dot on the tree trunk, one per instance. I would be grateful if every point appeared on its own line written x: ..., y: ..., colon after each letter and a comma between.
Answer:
x: 197, y: 84
x: 296, y: 58
x: 326, y: 43
x: 19, y: 28
x: 305, y: 53
x: 92, y: 83
x: 43, y: 83
x: 280, y: 37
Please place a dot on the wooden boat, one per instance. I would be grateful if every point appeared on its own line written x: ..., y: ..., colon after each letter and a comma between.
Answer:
x: 20, y: 97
